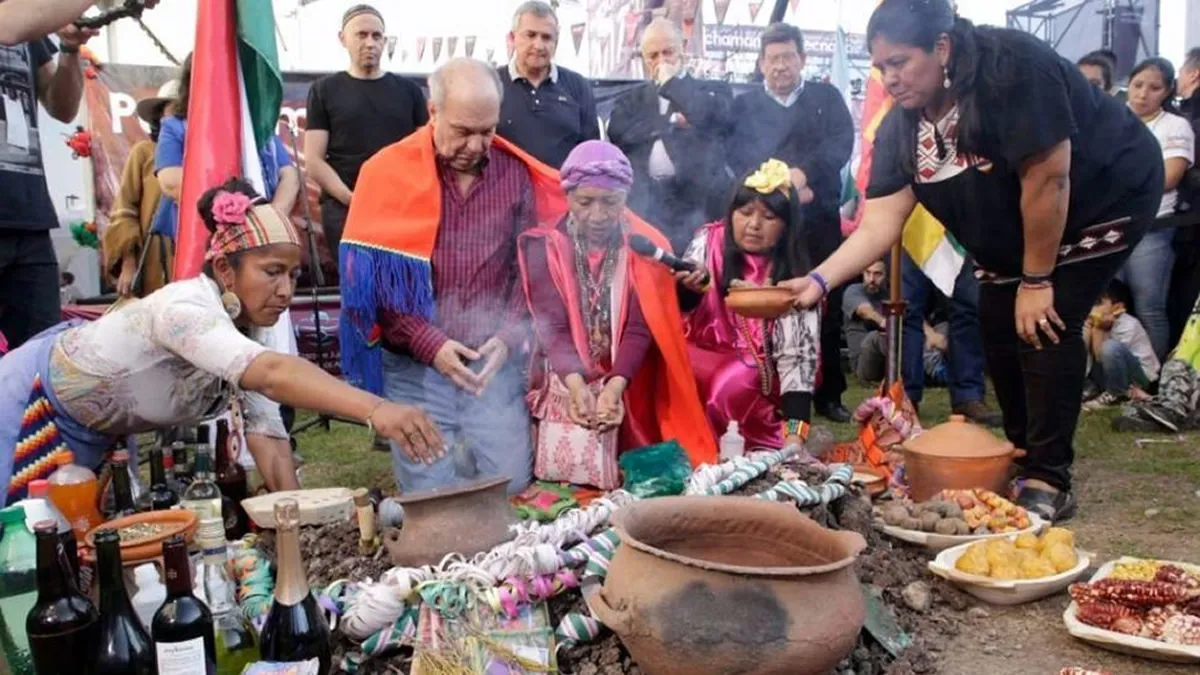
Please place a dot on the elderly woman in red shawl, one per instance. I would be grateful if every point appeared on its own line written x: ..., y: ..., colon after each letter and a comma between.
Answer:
x: 611, y: 371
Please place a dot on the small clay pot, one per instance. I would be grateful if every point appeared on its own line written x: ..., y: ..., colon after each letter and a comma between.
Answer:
x: 957, y: 455
x: 731, y: 585
x: 468, y: 518
x: 766, y: 302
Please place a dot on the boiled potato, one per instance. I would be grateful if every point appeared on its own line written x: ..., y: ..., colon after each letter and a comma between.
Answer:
x: 1028, y: 541
x: 1037, y: 568
x: 973, y: 561
x: 1001, y: 553
x: 1057, y: 535
x: 1006, y: 571
x: 1061, y: 556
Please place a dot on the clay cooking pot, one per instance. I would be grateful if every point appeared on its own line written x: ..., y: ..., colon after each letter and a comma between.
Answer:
x: 731, y: 585
x: 468, y: 518
x: 957, y: 455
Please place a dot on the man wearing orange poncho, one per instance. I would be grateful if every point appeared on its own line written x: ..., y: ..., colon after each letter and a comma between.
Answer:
x: 433, y: 313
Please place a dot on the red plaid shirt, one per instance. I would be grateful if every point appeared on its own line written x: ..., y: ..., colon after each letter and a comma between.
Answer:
x: 476, y: 285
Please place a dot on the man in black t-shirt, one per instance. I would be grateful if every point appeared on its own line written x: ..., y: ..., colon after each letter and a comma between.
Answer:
x: 29, y: 279
x: 353, y: 114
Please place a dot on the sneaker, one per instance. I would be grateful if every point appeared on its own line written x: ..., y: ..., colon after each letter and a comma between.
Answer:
x: 1134, y: 424
x: 1104, y: 400
x: 1163, y: 415
x: 979, y: 413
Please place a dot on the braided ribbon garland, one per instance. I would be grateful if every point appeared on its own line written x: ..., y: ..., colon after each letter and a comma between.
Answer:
x: 532, y: 567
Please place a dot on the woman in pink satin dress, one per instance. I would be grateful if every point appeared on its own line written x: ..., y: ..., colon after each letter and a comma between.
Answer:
x: 759, y: 373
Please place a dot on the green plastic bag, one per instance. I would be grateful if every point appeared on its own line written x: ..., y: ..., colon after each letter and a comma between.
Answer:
x: 656, y: 470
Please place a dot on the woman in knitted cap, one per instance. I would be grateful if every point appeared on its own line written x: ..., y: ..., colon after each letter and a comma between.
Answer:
x: 611, y: 370
x: 181, y: 355
x: 760, y: 374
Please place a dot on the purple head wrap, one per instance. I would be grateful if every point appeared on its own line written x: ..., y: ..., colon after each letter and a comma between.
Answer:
x: 596, y: 164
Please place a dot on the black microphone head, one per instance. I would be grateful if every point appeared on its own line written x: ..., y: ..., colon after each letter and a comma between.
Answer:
x: 642, y: 245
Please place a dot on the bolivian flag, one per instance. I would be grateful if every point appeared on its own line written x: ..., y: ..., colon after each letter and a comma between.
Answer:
x: 237, y: 92
x: 925, y: 239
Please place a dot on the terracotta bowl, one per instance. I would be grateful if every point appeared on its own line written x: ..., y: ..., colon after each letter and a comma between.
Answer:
x: 731, y: 585
x: 769, y: 302
x: 175, y: 521
x: 872, y: 480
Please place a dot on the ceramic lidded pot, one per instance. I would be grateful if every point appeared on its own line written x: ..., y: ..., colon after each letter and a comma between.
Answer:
x: 731, y: 585
x: 957, y: 455
x: 468, y: 518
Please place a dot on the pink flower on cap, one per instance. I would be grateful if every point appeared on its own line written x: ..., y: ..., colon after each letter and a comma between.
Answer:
x: 231, y: 207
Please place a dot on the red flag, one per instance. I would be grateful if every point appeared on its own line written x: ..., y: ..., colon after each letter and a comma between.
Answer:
x: 793, y: 4
x: 211, y: 154
x: 754, y: 7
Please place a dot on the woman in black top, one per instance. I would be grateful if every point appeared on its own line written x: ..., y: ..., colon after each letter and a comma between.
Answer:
x: 1044, y: 180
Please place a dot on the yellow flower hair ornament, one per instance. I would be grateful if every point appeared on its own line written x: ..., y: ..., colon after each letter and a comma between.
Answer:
x: 771, y: 176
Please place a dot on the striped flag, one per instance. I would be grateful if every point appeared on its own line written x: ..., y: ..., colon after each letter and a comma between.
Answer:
x: 925, y: 239
x: 237, y: 92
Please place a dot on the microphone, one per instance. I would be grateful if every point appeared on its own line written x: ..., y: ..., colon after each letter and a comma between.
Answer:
x: 642, y: 246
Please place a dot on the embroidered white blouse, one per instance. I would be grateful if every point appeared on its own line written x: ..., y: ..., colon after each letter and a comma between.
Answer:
x: 172, y: 358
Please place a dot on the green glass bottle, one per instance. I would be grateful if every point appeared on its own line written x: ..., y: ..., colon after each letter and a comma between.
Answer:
x: 18, y: 588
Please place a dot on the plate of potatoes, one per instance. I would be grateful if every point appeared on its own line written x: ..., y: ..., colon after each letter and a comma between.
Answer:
x: 1015, y: 569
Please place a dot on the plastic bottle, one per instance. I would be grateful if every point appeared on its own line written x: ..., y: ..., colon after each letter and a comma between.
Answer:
x: 732, y: 443
x: 38, y: 507
x: 73, y: 489
x: 151, y: 594
x: 18, y: 589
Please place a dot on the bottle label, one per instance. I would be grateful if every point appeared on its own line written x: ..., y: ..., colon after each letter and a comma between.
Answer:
x: 180, y: 658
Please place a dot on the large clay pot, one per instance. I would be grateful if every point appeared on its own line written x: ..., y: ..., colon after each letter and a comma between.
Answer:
x: 467, y: 519
x: 731, y: 585
x: 957, y: 455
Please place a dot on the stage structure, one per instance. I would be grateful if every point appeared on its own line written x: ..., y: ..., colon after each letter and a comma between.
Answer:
x: 1075, y: 27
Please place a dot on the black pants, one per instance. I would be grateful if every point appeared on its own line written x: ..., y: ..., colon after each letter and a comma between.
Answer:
x: 333, y: 223
x: 29, y: 300
x: 1040, y: 391
x: 825, y: 236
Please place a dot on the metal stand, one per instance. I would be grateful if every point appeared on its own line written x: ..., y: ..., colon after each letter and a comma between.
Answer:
x: 316, y: 280
x: 894, y: 313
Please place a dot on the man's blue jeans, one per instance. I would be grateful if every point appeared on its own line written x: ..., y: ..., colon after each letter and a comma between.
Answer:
x: 965, y: 360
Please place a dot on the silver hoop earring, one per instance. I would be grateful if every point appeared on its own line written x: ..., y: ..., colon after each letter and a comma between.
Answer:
x: 232, y: 304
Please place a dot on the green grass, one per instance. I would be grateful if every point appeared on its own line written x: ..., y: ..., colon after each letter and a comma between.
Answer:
x: 344, y: 455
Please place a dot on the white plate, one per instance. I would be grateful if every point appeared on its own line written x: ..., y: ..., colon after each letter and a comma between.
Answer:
x: 1005, y: 591
x: 940, y: 542
x: 1129, y: 644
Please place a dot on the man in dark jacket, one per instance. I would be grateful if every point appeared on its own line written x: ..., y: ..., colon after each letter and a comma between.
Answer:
x: 672, y: 129
x: 808, y: 126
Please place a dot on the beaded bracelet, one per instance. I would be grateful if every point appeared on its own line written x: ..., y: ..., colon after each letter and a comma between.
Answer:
x: 796, y: 428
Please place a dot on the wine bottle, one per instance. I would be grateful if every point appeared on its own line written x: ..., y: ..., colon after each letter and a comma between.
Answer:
x: 63, y: 626
x: 235, y: 640
x: 162, y: 497
x: 184, y: 458
x: 203, y: 497
x: 231, y: 479
x: 171, y: 468
x: 295, y: 629
x: 125, y: 647
x: 182, y: 629
x: 123, y: 504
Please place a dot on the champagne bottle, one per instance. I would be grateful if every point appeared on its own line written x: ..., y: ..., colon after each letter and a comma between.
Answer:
x: 63, y: 626
x: 123, y: 504
x: 235, y: 640
x: 182, y: 628
x: 203, y: 497
x: 295, y: 629
x: 231, y: 479
x: 125, y: 647
x: 162, y: 497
